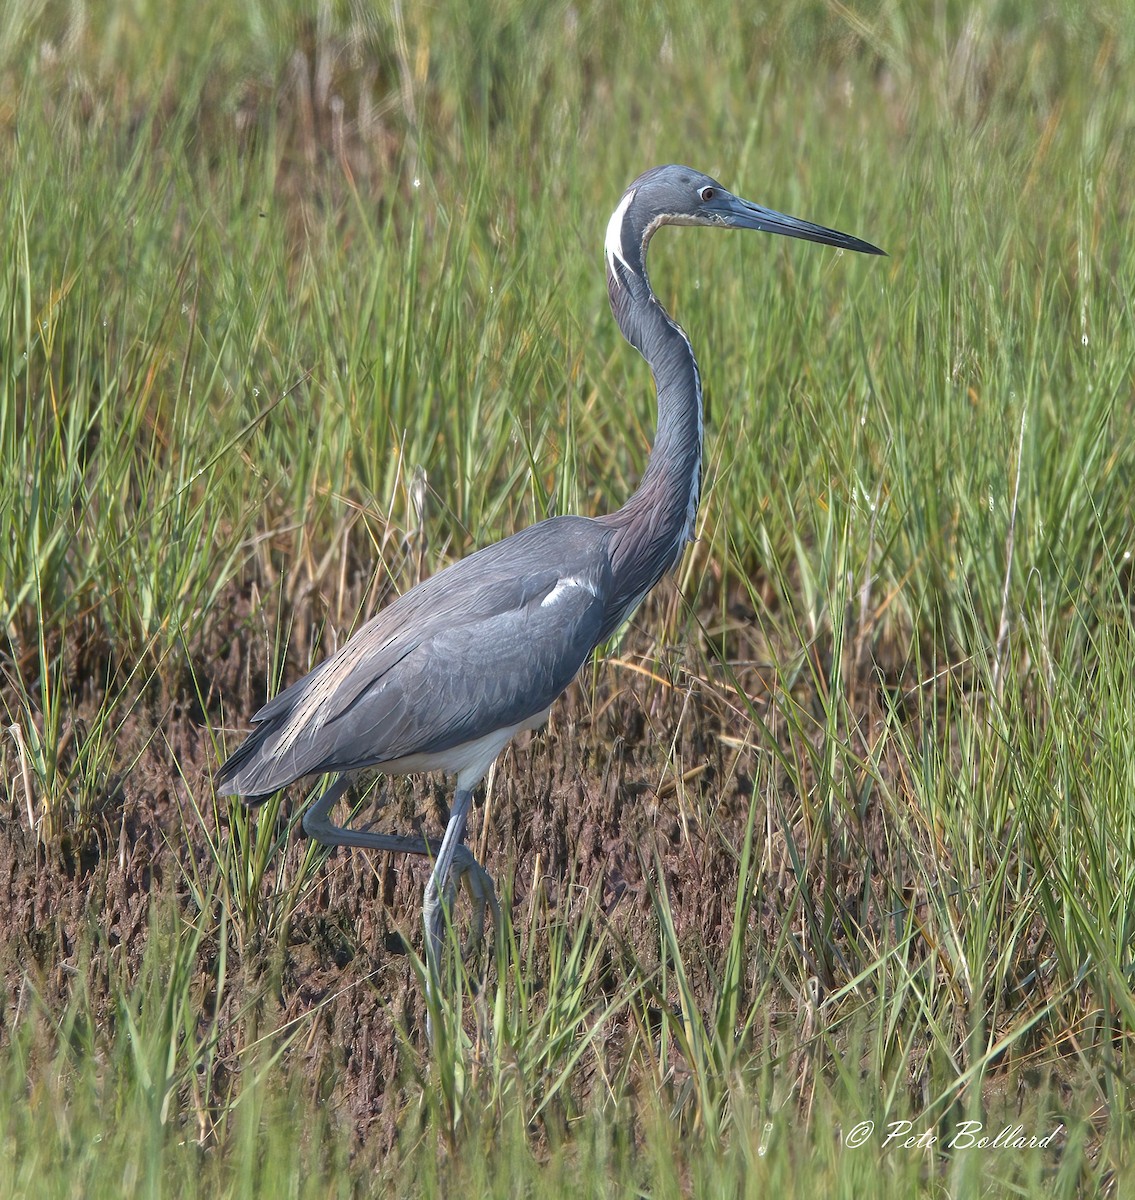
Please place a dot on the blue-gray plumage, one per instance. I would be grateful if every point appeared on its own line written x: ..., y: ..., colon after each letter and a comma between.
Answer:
x: 446, y: 675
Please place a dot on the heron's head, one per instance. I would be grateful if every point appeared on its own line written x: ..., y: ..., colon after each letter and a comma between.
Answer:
x: 676, y: 195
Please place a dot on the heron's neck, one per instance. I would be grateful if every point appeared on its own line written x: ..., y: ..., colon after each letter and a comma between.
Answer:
x: 652, y: 528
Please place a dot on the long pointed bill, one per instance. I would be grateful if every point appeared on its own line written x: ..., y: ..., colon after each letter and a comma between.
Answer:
x: 741, y: 214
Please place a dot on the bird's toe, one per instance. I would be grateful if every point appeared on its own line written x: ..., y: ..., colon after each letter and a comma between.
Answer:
x: 482, y: 895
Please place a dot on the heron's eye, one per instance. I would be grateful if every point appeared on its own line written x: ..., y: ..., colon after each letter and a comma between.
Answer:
x: 706, y: 193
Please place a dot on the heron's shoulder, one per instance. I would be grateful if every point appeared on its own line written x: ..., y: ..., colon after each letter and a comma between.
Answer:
x: 559, y: 544
x: 568, y: 534
x: 502, y: 576
x: 512, y: 572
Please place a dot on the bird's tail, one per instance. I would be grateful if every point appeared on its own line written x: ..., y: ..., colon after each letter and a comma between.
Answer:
x: 248, y: 772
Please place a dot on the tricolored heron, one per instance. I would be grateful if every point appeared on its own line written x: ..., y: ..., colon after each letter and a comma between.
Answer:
x: 442, y: 678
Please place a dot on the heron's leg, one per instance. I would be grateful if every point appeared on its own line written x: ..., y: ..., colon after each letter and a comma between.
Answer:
x: 437, y: 889
x: 317, y: 824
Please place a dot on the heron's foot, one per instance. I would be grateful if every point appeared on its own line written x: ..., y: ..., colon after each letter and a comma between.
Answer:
x: 469, y: 873
x: 479, y: 884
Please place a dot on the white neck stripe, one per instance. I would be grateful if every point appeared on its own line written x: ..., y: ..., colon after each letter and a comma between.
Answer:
x: 613, y: 245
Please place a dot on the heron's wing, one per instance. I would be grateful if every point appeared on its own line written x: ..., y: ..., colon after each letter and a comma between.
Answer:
x: 494, y: 581
x: 283, y: 702
x: 491, y: 671
x: 481, y: 646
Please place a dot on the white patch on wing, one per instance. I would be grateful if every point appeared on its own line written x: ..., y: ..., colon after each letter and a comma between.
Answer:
x: 563, y: 586
x: 613, y: 245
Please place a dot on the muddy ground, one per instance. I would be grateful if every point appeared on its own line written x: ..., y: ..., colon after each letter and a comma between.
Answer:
x: 640, y: 770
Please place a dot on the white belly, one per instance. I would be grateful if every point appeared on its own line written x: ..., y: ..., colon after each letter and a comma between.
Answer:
x: 469, y: 761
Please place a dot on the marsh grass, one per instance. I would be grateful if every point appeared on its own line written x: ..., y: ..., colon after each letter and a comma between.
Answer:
x: 296, y: 310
